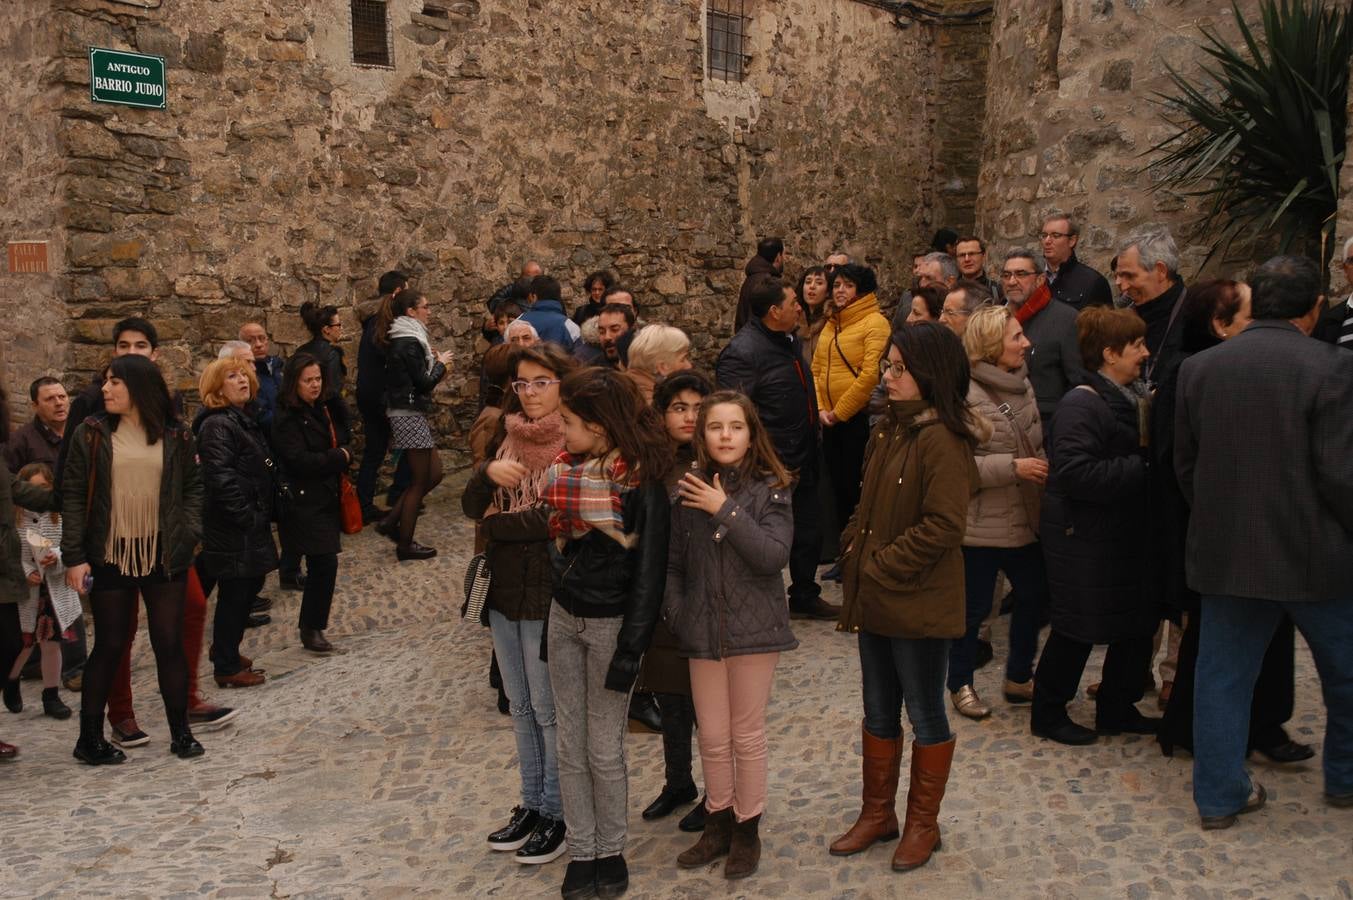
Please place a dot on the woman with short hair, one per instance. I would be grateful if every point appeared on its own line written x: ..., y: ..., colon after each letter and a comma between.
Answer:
x: 656, y: 352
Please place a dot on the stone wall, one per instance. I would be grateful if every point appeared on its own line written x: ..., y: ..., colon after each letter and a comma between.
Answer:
x: 956, y: 116
x: 584, y: 135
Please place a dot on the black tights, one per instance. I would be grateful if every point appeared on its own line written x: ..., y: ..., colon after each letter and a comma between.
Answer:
x: 113, y: 610
x: 426, y: 468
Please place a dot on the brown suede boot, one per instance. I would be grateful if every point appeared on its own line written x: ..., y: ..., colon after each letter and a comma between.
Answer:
x: 878, y: 810
x: 714, y: 842
x: 921, y: 833
x: 745, y: 852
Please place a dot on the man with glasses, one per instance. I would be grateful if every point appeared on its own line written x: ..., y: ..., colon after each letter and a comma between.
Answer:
x: 1071, y: 281
x: 1336, y: 324
x: 972, y: 265
x: 960, y: 304
x: 1049, y: 324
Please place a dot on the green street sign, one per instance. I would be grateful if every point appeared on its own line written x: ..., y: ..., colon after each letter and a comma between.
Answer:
x: 131, y: 79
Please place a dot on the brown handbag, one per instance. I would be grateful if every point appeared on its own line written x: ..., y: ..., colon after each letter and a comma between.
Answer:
x: 350, y: 508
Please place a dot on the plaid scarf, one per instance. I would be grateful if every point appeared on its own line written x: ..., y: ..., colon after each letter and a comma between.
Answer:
x: 586, y: 494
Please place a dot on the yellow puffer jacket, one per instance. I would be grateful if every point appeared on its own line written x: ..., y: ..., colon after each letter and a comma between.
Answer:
x: 860, y: 333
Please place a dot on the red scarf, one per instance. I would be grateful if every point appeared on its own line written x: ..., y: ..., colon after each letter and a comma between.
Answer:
x: 1034, y: 305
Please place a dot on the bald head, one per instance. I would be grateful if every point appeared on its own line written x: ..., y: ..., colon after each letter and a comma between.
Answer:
x: 532, y: 269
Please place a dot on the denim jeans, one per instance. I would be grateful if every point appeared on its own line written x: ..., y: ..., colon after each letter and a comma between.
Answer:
x: 904, y: 670
x: 1234, y: 636
x: 526, y: 680
x: 1024, y: 567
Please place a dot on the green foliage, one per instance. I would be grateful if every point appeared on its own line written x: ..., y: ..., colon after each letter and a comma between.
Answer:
x: 1260, y: 132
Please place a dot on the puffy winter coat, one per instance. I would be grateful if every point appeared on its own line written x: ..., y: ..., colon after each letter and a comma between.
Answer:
x: 768, y: 367
x: 1094, y: 530
x: 1004, y: 513
x: 855, y: 338
x: 237, y: 517
x: 725, y: 594
x: 902, y: 570
x: 312, y: 520
x: 517, y: 550
x: 408, y: 381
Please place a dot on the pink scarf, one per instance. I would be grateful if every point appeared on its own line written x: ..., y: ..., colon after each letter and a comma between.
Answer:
x: 535, y: 443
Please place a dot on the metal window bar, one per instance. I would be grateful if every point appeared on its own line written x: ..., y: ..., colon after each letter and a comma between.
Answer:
x: 372, y: 42
x: 726, y: 39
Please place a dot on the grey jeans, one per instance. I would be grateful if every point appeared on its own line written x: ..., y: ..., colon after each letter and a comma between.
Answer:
x: 590, y: 734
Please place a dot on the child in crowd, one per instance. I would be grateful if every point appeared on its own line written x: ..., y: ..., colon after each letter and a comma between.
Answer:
x: 725, y: 602
x: 49, y: 609
x: 610, y: 529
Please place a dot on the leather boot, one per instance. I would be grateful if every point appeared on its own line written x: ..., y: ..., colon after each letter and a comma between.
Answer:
x: 181, y: 741
x: 314, y: 640
x: 921, y: 833
x: 91, y: 748
x: 714, y: 842
x: 882, y: 761
x: 744, y: 852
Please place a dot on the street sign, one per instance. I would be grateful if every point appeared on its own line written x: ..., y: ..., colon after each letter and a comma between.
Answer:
x: 131, y: 79
x: 27, y: 256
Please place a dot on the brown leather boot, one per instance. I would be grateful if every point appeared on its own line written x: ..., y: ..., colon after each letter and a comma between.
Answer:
x: 744, y: 854
x: 921, y: 833
x: 882, y: 760
x: 714, y: 842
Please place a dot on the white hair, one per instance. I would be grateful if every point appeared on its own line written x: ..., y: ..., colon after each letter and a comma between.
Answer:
x: 1154, y: 245
x: 1348, y: 248
x: 230, y: 348
x: 518, y: 325
x: 656, y: 344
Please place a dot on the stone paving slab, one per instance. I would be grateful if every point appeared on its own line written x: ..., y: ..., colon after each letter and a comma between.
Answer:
x: 378, y: 772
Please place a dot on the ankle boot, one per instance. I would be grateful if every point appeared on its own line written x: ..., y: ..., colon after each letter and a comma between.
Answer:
x: 52, y: 705
x: 714, y: 842
x: 181, y: 741
x: 91, y: 748
x: 882, y: 759
x: 744, y: 853
x: 13, y: 696
x: 921, y: 833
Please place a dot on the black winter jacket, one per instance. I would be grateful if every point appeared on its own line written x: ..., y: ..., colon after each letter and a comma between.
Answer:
x: 518, y: 551
x: 1079, y: 286
x: 769, y: 368
x: 595, y: 577
x: 300, y: 435
x: 408, y: 383
x: 237, y: 518
x: 1095, y: 519
x: 330, y: 357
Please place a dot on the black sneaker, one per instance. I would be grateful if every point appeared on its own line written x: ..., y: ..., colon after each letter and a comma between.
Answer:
x: 546, y: 843
x: 517, y: 830
x: 210, y: 718
x: 127, y: 734
x: 580, y: 880
x: 613, y: 876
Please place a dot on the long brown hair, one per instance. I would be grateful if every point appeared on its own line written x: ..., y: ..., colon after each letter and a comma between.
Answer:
x: 609, y: 399
x: 392, y: 308
x: 761, y: 459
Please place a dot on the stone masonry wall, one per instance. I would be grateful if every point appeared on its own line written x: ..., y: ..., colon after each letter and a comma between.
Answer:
x: 581, y: 134
x: 957, y: 114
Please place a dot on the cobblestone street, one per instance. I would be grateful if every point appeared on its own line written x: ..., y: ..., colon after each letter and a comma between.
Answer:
x: 378, y: 772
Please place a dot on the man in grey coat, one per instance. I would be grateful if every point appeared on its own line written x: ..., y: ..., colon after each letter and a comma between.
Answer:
x: 1049, y: 324
x: 1264, y: 456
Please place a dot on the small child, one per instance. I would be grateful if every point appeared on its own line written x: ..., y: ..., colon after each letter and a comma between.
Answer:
x: 725, y: 602
x: 51, y: 606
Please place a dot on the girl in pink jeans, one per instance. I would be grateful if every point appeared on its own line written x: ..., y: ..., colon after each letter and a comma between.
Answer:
x: 725, y: 603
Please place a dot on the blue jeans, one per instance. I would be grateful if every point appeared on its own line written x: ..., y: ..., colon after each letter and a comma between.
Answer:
x: 910, y: 670
x: 1232, y: 640
x: 526, y: 680
x: 1024, y: 567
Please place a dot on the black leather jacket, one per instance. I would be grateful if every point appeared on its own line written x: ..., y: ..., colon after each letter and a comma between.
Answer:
x: 237, y: 516
x: 408, y: 383
x: 595, y: 577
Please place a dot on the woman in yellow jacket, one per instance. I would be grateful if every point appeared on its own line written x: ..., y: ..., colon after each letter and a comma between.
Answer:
x: 845, y: 371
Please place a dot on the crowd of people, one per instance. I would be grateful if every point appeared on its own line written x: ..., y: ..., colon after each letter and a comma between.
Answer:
x: 1015, y: 439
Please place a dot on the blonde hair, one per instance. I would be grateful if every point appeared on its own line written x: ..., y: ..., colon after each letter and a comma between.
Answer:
x: 984, y: 338
x: 656, y: 344
x: 214, y: 376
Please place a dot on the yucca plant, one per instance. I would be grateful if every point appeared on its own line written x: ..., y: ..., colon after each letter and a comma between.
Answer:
x: 1259, y: 133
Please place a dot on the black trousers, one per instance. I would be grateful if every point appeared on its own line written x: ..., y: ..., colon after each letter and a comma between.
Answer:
x: 234, y: 596
x: 843, y: 451
x: 678, y: 721
x: 321, y: 574
x: 1062, y: 664
x: 807, y: 544
x: 1274, y: 692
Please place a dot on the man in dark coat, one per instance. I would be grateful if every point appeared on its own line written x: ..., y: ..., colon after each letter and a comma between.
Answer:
x: 1263, y: 443
x: 1049, y: 324
x: 40, y: 439
x: 545, y: 311
x: 1148, y: 268
x: 1071, y: 281
x: 371, y: 407
x: 769, y: 261
x: 764, y: 360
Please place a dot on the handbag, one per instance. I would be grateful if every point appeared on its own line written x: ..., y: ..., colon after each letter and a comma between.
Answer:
x: 477, y: 581
x: 349, y: 507
x: 282, y: 496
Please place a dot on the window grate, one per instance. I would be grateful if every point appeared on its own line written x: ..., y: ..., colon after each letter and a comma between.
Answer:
x: 372, y: 42
x: 726, y: 39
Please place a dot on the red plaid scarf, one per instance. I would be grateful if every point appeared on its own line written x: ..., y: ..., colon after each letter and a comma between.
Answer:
x: 1034, y: 305
x: 586, y: 494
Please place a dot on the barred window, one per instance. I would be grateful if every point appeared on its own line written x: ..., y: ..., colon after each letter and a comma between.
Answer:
x: 726, y: 39
x: 372, y: 42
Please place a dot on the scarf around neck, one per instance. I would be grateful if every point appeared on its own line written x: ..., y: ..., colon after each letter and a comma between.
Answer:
x: 408, y: 326
x: 1034, y: 305
x: 536, y: 444
x: 587, y: 494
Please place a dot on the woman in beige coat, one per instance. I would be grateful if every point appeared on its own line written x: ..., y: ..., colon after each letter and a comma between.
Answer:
x: 1002, y: 531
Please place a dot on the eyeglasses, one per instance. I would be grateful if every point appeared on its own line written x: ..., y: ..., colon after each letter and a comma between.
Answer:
x: 536, y: 385
x: 951, y: 313
x: 967, y: 254
x: 887, y: 367
x: 1018, y: 273
x: 1052, y: 235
